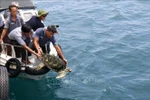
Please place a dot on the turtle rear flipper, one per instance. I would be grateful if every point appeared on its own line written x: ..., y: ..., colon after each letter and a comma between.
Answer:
x: 61, y: 74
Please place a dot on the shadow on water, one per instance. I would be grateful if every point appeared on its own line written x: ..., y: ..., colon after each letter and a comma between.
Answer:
x: 26, y: 89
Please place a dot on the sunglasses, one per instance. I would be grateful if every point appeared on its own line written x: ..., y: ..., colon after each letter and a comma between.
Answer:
x: 44, y: 15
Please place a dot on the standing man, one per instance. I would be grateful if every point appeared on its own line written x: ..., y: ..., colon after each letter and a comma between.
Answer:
x: 37, y: 21
x: 45, y: 35
x: 12, y: 22
x: 18, y: 36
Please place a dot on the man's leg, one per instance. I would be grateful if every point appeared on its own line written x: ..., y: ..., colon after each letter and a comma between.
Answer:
x: 17, y: 49
x: 8, y: 47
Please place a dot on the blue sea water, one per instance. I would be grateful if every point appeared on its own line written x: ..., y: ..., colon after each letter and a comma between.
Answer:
x: 107, y: 45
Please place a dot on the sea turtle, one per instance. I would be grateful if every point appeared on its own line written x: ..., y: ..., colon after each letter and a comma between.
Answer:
x: 54, y: 63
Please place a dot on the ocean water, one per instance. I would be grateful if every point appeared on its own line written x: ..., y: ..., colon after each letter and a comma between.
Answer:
x: 107, y: 45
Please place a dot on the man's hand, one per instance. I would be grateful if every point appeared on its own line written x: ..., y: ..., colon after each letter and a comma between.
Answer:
x: 38, y: 56
x: 65, y: 61
x: 40, y: 51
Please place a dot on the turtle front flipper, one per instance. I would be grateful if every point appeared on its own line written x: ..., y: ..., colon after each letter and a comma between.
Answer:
x: 41, y: 65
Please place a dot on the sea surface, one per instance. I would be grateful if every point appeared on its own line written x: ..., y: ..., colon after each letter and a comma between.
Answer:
x: 107, y: 45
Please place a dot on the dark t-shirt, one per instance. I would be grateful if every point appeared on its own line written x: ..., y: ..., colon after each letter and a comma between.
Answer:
x: 35, y: 23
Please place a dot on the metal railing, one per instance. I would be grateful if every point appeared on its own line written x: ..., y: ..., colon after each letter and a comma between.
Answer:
x: 4, y: 50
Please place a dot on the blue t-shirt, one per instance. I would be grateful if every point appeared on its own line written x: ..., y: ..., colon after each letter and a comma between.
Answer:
x: 40, y: 34
x: 35, y: 23
x: 10, y: 24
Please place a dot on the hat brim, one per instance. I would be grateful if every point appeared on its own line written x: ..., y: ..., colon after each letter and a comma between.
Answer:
x: 57, y: 32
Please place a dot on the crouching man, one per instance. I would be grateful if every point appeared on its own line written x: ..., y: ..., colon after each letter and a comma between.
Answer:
x: 18, y: 36
x: 45, y: 35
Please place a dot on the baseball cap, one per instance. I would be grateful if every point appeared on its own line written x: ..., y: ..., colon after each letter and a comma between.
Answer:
x: 52, y: 28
